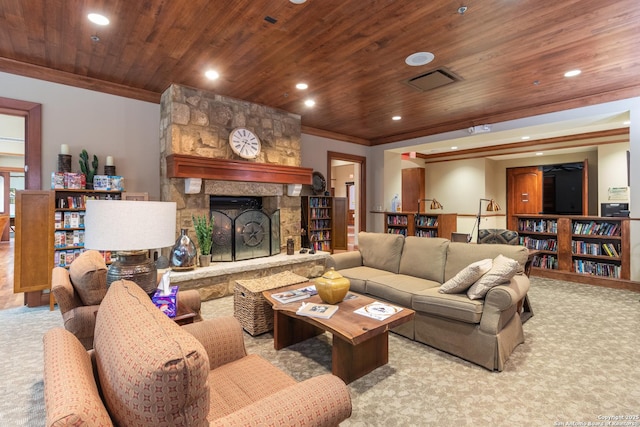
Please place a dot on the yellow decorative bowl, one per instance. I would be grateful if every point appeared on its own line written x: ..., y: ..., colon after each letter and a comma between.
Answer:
x: 332, y: 286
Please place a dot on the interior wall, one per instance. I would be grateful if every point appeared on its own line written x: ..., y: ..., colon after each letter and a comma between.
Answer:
x: 610, y: 158
x: 103, y: 124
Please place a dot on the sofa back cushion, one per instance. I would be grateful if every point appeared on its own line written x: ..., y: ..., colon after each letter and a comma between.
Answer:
x: 424, y: 257
x: 381, y: 250
x: 460, y: 255
x: 88, y: 274
x: 151, y: 372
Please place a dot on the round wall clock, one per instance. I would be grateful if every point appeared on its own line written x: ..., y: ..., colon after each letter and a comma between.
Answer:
x: 244, y: 143
x: 318, y: 183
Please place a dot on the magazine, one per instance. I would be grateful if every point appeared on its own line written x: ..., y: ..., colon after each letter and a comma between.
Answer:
x: 378, y: 310
x: 295, y: 294
x: 323, y: 311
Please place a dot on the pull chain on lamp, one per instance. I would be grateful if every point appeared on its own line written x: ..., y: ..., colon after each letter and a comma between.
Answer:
x: 491, y: 207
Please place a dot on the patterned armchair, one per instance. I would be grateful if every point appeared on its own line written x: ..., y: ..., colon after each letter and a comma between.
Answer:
x: 498, y: 235
x: 80, y: 290
x: 145, y: 370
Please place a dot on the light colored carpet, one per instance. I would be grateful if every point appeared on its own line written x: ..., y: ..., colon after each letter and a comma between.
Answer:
x: 579, y: 363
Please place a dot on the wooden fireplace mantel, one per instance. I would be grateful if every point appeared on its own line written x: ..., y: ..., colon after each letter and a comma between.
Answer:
x: 184, y: 166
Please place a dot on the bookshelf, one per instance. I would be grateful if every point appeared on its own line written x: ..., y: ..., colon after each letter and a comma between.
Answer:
x: 584, y: 249
x: 324, y: 219
x: 420, y: 224
x: 49, y: 233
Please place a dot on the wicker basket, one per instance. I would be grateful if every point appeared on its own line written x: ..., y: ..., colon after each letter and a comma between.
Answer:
x: 250, y: 307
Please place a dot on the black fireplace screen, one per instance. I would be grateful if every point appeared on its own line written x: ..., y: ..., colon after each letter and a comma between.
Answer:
x: 251, y: 234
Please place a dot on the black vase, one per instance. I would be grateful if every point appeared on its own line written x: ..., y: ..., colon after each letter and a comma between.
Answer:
x: 183, y: 253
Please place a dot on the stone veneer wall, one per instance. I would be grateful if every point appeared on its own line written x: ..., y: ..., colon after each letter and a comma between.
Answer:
x: 198, y: 123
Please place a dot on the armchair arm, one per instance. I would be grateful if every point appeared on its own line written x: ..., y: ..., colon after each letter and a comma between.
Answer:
x: 221, y: 337
x: 71, y: 395
x: 81, y: 322
x: 344, y: 260
x: 318, y: 401
x: 500, y: 303
x: 191, y: 298
x: 63, y: 291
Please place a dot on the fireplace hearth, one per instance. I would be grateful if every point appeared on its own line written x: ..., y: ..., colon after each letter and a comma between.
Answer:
x: 242, y: 229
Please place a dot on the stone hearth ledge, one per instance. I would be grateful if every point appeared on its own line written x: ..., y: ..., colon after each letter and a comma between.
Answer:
x: 218, y: 280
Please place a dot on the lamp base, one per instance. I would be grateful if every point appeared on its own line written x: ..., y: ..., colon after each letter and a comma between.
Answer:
x: 135, y: 266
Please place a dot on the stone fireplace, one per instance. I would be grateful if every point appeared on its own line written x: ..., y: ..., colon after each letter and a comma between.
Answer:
x: 194, y: 131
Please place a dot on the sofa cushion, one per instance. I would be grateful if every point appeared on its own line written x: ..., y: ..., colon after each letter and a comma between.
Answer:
x: 380, y: 250
x: 452, y: 306
x: 466, y: 277
x: 502, y: 271
x: 151, y: 372
x: 398, y: 288
x: 460, y: 255
x: 358, y: 277
x: 88, y: 274
x: 424, y: 257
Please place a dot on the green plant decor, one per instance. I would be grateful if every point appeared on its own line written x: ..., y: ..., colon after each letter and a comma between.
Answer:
x: 204, y: 233
x: 84, y: 167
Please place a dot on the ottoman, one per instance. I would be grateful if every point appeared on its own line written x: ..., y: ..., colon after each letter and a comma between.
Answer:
x: 250, y: 307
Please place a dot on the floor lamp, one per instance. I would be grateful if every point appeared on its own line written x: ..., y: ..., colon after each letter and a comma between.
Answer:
x: 491, y: 207
x: 131, y: 229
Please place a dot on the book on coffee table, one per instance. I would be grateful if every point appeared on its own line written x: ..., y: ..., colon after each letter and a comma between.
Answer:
x: 378, y: 310
x: 323, y: 311
x: 295, y: 294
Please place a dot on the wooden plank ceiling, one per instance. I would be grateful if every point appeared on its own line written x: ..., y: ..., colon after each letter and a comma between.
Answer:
x: 510, y: 56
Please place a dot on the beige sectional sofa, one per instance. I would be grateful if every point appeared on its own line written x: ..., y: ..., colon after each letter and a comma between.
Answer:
x: 410, y: 271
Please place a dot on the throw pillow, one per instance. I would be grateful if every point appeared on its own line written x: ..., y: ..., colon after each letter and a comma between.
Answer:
x: 501, y: 272
x: 88, y: 274
x: 466, y: 277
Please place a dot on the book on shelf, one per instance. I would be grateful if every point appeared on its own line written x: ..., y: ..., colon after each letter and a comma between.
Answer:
x: 295, y: 294
x: 323, y: 311
x: 378, y: 310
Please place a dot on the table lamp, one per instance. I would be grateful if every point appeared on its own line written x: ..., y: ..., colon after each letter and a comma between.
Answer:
x: 130, y: 229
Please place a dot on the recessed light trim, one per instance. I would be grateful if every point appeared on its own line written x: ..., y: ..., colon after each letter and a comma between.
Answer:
x: 309, y: 102
x: 525, y: 137
x: 298, y: 1
x: 539, y: 153
x: 454, y: 147
x: 419, y: 58
x: 396, y: 118
x: 212, y: 74
x: 572, y: 73
x: 302, y: 86
x: 626, y: 122
x: 98, y: 19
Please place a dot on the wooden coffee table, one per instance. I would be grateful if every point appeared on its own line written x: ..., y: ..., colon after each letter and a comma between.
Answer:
x: 360, y: 343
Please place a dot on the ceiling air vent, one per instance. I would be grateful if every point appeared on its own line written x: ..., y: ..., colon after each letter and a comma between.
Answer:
x: 433, y: 79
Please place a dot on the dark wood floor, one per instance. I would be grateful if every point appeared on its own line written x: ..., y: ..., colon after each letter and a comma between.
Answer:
x: 7, y: 298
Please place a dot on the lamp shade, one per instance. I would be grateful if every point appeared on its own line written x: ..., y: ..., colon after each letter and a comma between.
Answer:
x: 124, y: 225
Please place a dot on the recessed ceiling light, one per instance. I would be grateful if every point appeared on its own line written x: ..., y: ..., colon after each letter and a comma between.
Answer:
x: 626, y: 122
x: 309, y: 102
x: 525, y: 137
x: 302, y: 86
x: 454, y: 148
x: 212, y: 74
x: 572, y: 73
x: 98, y: 19
x: 298, y: 1
x: 539, y: 154
x: 396, y: 118
x: 419, y: 58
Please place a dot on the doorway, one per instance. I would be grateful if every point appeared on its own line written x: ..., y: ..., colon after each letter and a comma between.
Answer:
x: 347, y: 177
x: 26, y: 174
